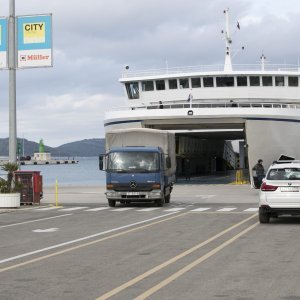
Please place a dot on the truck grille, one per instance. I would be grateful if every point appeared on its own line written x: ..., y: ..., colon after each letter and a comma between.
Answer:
x: 139, y: 188
x: 133, y: 197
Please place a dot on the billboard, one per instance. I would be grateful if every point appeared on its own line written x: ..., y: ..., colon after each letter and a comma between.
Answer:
x: 3, y: 43
x: 34, y: 41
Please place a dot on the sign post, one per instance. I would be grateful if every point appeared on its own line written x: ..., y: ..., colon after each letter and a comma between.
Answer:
x: 34, y: 50
x: 34, y: 41
x: 12, y: 84
x: 34, y: 35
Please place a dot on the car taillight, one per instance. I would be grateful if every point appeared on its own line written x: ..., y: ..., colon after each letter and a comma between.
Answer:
x: 268, y: 188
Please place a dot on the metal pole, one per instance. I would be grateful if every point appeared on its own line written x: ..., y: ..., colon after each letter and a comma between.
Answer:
x: 12, y: 84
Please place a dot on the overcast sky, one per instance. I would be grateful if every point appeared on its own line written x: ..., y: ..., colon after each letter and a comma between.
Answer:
x: 94, y: 39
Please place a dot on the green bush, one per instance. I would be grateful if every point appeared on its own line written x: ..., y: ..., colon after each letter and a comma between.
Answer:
x: 9, y: 185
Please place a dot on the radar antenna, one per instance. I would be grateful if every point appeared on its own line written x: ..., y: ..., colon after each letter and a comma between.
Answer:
x: 228, y: 42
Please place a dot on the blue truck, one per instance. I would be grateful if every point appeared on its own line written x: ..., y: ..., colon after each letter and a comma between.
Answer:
x: 140, y: 166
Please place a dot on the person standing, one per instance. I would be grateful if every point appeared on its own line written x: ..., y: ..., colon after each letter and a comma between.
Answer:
x: 260, y: 172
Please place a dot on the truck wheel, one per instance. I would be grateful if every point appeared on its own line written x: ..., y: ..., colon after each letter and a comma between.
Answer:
x: 161, y: 202
x: 111, y: 203
x: 167, y: 198
x: 264, y: 217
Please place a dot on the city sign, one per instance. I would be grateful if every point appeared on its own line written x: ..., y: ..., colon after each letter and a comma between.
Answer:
x: 34, y: 41
x: 3, y: 43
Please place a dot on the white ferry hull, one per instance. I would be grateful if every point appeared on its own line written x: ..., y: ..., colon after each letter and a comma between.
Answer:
x: 268, y: 132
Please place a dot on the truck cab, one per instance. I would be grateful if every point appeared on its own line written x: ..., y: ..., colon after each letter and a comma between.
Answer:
x: 138, y: 174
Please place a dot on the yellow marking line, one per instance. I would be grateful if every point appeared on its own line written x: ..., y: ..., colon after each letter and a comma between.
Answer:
x: 170, y: 261
x: 188, y: 267
x: 88, y: 244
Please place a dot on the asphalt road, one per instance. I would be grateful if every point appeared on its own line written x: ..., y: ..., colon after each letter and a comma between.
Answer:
x: 207, y: 244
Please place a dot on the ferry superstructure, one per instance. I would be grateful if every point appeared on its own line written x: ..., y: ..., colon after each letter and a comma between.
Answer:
x: 259, y: 104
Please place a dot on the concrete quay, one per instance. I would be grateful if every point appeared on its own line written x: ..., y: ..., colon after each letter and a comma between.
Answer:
x: 183, y: 192
x: 200, y: 190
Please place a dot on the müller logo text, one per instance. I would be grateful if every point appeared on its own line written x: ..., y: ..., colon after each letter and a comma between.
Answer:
x: 34, y: 57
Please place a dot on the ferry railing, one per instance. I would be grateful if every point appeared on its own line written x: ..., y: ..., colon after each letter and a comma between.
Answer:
x: 211, y: 105
x: 212, y: 68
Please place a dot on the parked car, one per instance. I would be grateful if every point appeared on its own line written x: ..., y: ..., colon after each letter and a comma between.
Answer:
x: 280, y: 191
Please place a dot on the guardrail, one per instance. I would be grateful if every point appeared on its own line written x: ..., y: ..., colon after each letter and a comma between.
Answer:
x: 181, y: 105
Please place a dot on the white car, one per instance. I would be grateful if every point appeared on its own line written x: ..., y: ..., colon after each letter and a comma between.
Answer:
x: 280, y: 191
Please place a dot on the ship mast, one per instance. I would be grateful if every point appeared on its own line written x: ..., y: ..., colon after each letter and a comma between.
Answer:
x: 228, y: 41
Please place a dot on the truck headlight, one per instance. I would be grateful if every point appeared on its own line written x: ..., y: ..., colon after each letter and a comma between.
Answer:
x: 109, y: 186
x: 156, y: 186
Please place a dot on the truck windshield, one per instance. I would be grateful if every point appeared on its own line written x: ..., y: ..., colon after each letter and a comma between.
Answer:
x: 133, y: 162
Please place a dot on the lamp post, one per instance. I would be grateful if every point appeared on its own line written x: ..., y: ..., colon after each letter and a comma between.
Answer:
x: 12, y: 83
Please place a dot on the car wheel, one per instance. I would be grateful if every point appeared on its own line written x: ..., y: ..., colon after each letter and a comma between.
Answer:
x: 264, y: 217
x: 111, y: 203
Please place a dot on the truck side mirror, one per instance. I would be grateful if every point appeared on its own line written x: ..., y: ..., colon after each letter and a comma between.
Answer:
x: 101, y: 162
x: 168, y: 162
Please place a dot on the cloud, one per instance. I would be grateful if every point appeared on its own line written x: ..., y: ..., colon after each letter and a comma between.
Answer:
x: 66, y: 118
x: 93, y: 41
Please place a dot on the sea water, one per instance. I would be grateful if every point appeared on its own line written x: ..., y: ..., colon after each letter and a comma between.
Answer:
x: 86, y: 172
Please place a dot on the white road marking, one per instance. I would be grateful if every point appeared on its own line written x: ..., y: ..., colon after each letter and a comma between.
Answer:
x: 82, y: 239
x: 49, y: 208
x: 121, y: 209
x: 227, y: 209
x: 96, y: 209
x: 45, y: 230
x: 149, y: 209
x: 175, y: 209
x: 32, y: 221
x: 73, y: 208
x: 205, y: 196
x: 252, y: 209
x: 201, y: 209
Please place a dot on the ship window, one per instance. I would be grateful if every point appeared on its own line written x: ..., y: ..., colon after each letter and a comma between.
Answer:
x: 279, y: 81
x: 173, y: 84
x: 132, y: 89
x: 208, y: 81
x: 160, y: 85
x: 241, y: 80
x: 184, y: 83
x: 147, y: 86
x: 196, y: 83
x: 267, y: 80
x: 254, y: 81
x: 225, y: 81
x: 293, y: 81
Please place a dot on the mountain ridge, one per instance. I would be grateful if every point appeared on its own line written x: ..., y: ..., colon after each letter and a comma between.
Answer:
x: 83, y: 148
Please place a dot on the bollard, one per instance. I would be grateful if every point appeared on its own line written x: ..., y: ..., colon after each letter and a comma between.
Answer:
x: 56, y: 192
x: 238, y: 177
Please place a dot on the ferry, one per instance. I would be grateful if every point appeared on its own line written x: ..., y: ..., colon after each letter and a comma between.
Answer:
x: 210, y: 106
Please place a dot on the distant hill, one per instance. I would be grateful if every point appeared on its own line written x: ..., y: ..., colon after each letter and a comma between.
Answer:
x: 87, y: 147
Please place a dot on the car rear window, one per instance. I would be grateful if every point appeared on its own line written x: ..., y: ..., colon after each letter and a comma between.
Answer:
x: 284, y: 174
